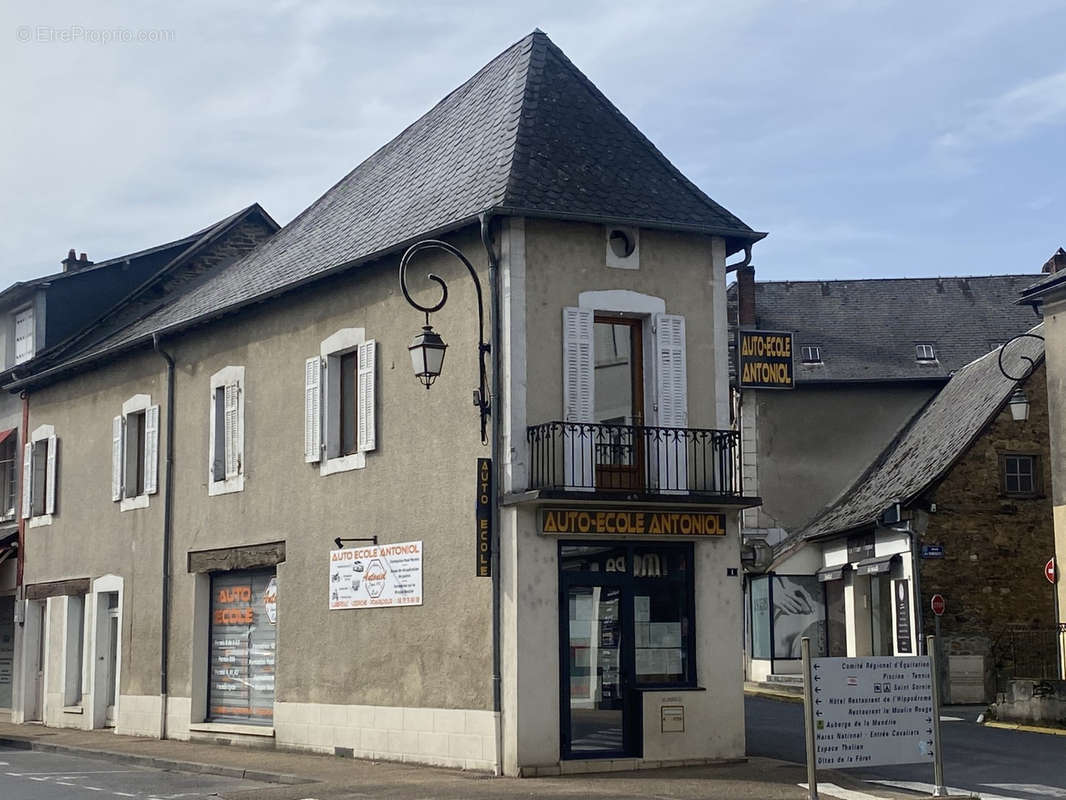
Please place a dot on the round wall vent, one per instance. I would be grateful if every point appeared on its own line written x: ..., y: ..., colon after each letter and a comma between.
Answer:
x: 622, y: 244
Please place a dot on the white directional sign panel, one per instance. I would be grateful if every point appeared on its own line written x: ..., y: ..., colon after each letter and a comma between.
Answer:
x: 872, y: 710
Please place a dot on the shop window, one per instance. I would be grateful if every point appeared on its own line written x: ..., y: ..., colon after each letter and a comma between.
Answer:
x: 135, y: 453
x: 799, y: 611
x: 881, y: 615
x: 39, y: 476
x: 242, y: 647
x: 1020, y: 475
x: 662, y: 616
x: 760, y: 617
x: 226, y: 462
x: 340, y: 402
x: 8, y: 475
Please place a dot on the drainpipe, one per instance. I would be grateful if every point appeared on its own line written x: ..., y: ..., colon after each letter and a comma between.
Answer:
x: 168, y: 496
x: 25, y: 437
x: 494, y: 400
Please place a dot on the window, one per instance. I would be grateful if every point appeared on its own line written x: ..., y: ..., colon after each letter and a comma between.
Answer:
x: 812, y: 354
x: 24, y: 348
x: 74, y: 650
x: 1021, y: 475
x: 135, y: 453
x: 340, y: 402
x: 39, y: 476
x: 924, y: 352
x: 226, y: 466
x: 8, y: 474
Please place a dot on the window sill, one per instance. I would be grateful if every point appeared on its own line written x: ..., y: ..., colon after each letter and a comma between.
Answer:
x: 343, y: 464
x: 130, y: 503
x: 232, y: 727
x: 73, y: 710
x: 41, y: 521
x: 671, y: 689
x: 228, y: 486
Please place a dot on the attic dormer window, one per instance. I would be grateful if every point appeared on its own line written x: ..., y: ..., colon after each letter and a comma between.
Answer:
x: 812, y: 354
x: 924, y: 352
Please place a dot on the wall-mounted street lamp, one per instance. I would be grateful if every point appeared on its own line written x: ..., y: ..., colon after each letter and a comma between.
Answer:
x: 1030, y: 362
x: 1019, y: 405
x: 427, y: 348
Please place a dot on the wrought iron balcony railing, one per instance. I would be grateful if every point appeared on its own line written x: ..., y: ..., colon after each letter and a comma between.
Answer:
x: 633, y: 459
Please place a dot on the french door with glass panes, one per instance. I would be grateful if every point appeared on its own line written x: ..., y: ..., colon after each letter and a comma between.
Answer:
x: 619, y: 402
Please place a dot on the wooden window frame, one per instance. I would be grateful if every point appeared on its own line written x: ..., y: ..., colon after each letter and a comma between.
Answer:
x: 1037, y: 476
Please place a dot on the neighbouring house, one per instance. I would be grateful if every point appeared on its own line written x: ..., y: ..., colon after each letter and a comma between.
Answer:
x: 868, y: 355
x: 1048, y: 298
x: 957, y: 505
x: 265, y: 530
x: 47, y: 314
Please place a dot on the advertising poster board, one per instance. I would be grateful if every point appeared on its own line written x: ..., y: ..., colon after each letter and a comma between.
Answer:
x: 377, y: 576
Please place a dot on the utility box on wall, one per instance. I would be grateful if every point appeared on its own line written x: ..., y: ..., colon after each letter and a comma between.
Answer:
x: 966, y: 680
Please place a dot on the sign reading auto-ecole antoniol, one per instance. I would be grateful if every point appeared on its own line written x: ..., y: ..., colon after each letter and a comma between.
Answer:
x: 872, y: 711
x: 764, y: 360
x: 653, y: 523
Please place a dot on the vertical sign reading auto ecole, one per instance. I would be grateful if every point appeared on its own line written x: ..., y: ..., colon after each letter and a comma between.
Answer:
x: 484, y: 518
x: 764, y: 360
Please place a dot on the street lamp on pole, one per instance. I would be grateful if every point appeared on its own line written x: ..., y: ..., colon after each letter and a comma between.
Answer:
x: 427, y: 349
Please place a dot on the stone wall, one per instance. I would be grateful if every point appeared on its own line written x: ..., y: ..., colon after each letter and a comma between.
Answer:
x: 995, y: 546
x: 1041, y: 702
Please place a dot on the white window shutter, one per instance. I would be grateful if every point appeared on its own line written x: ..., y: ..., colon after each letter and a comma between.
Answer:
x: 116, y: 458
x: 365, y: 394
x: 671, y: 383
x: 232, y: 429
x: 313, y: 410
x: 50, y: 485
x: 579, y: 407
x: 27, y: 480
x: 151, y: 450
x: 670, y: 371
x: 578, y: 367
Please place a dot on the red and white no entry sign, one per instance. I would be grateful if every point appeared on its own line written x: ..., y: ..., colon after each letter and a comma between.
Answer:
x: 938, y: 604
x: 1049, y: 569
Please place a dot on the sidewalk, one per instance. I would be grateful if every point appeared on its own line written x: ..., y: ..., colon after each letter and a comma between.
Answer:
x: 304, y: 775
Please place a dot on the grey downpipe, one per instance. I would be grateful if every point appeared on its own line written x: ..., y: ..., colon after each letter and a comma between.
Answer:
x: 494, y: 341
x: 168, y: 503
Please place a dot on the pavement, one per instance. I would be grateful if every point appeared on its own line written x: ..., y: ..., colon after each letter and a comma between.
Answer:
x: 284, y: 775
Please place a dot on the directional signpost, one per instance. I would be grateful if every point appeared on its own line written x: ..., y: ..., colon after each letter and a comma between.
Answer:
x: 871, y: 711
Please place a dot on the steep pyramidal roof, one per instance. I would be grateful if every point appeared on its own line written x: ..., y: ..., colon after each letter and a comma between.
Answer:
x: 528, y: 134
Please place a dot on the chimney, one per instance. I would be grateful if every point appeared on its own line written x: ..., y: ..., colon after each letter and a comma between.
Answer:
x: 1056, y: 262
x: 72, y: 263
x: 746, y: 296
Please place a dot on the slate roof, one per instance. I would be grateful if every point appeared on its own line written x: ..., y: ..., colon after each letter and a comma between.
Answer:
x: 867, y: 329
x: 937, y: 436
x: 528, y: 134
x: 1035, y: 294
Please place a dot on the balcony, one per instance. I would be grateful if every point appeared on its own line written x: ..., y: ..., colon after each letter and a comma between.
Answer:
x: 603, y: 461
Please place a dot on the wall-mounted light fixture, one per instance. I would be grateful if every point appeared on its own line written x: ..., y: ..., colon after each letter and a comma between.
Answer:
x: 427, y: 348
x: 1019, y: 405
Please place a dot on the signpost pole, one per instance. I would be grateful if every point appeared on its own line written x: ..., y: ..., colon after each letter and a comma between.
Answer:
x: 932, y: 643
x: 935, y: 665
x: 808, y: 717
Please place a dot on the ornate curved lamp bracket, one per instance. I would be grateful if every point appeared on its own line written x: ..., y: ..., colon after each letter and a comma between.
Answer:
x: 481, y: 399
x: 1031, y: 362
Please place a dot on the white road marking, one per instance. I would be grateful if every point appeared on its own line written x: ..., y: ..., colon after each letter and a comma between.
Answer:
x: 92, y: 788
x: 1030, y: 788
x: 64, y: 783
x: 928, y: 788
x: 832, y: 790
x: 952, y: 719
x: 124, y: 794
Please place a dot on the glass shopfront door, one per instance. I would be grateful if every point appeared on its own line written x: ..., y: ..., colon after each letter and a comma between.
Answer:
x: 625, y: 625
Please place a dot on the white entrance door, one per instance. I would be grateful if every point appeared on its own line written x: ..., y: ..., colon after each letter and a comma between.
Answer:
x: 111, y: 658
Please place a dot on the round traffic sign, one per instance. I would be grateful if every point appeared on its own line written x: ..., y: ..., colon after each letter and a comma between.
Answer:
x: 1049, y: 569
x: 938, y: 604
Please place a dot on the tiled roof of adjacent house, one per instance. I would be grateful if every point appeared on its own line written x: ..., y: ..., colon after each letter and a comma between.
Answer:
x: 927, y: 447
x: 867, y: 330
x: 528, y: 134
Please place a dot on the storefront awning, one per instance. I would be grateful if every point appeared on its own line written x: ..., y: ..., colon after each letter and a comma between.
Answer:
x: 5, y: 433
x: 876, y: 566
x: 833, y: 573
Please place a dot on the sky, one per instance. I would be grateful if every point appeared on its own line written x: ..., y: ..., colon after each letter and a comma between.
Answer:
x: 869, y: 139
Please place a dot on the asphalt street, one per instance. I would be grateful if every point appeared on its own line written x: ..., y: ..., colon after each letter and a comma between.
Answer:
x: 992, y: 762
x: 35, y: 775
